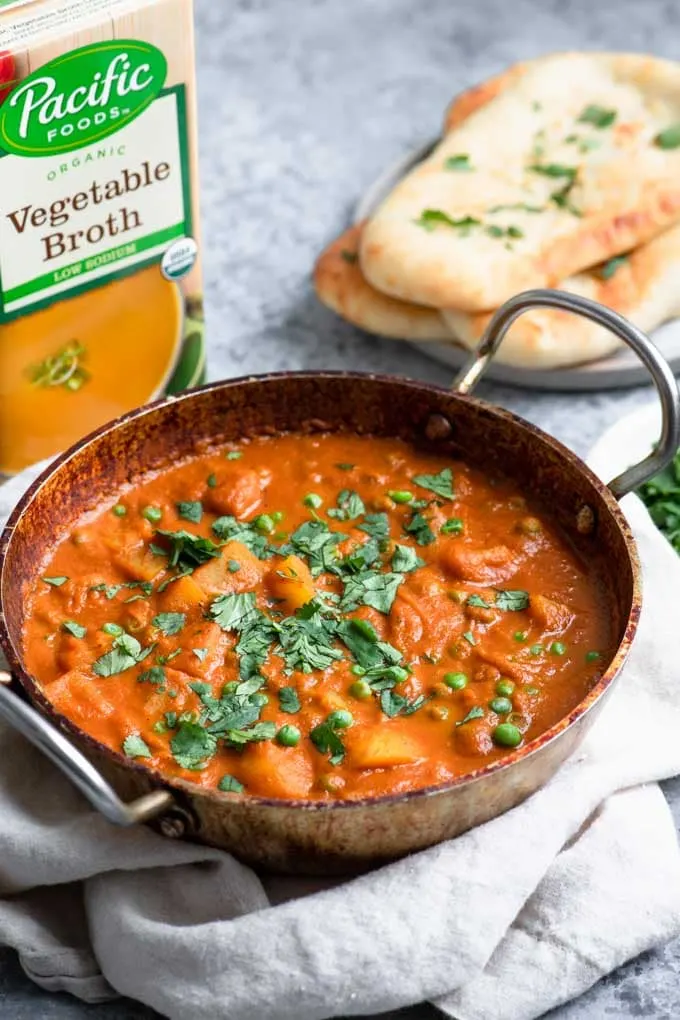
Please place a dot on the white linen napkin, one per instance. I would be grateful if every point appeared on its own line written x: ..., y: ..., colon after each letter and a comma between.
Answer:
x: 503, y: 923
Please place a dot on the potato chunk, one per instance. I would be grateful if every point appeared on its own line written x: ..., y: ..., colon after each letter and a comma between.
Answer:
x: 291, y: 581
x: 216, y: 577
x: 383, y: 747
x: 238, y: 493
x: 481, y: 566
x: 552, y: 616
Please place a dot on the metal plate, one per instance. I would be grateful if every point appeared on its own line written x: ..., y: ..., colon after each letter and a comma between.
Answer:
x: 615, y: 372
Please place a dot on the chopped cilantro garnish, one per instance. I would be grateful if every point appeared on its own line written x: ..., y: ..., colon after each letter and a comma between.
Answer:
x: 460, y: 162
x: 188, y: 551
x: 315, y: 541
x: 470, y: 637
x: 371, y: 588
x: 233, y: 454
x: 288, y: 700
x: 135, y: 747
x: 441, y: 484
x: 350, y: 506
x: 154, y: 675
x: 598, y: 116
x: 343, y: 466
x: 376, y: 525
x: 200, y: 653
x: 308, y: 644
x: 227, y: 528
x: 169, y: 623
x: 477, y: 600
x: 76, y: 629
x: 554, y: 170
x: 452, y: 526
x: 396, y: 704
x: 476, y: 712
x: 228, y: 784
x: 234, y: 612
x: 419, y: 527
x: 669, y: 138
x: 608, y: 268
x: 125, y: 653
x: 513, y: 601
x: 192, y: 746
x: 56, y: 582
x: 326, y: 740
x: 191, y: 511
x: 431, y: 218
x: 405, y: 559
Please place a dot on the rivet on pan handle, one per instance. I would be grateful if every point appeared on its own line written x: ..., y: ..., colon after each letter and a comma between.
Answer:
x: 639, y: 342
x: 75, y: 766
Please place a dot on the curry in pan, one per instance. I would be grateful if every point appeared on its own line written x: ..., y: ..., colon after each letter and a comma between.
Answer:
x: 316, y: 616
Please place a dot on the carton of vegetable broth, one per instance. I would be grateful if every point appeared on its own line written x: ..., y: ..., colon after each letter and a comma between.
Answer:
x: 100, y: 282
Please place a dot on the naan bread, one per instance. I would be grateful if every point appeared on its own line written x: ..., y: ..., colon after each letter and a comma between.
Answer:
x: 341, y: 286
x: 643, y: 286
x: 606, y: 186
x: 474, y: 98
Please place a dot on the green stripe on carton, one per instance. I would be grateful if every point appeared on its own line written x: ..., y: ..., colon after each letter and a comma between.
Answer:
x: 53, y: 279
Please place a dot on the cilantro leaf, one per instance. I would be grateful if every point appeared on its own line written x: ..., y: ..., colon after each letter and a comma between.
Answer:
x: 229, y: 784
x: 458, y: 163
x: 371, y: 588
x: 608, y: 268
x: 192, y: 746
x: 513, y: 601
x: 200, y: 653
x: 452, y: 526
x: 476, y: 712
x: 419, y: 527
x: 233, y: 711
x: 405, y: 559
x: 227, y: 528
x: 350, y: 506
x: 307, y: 644
x: 153, y: 675
x: 188, y: 551
x: 367, y: 650
x: 429, y: 219
x: 477, y: 600
x: 326, y: 740
x: 125, y: 653
x: 554, y: 170
x: 315, y: 541
x: 361, y: 557
x: 169, y: 623
x: 288, y: 700
x: 669, y: 138
x: 76, y: 629
x: 190, y: 511
x: 254, y: 645
x: 234, y: 612
x: 253, y: 735
x: 396, y: 704
x: 376, y: 525
x: 135, y: 747
x: 598, y: 116
x: 55, y: 582
x: 441, y: 484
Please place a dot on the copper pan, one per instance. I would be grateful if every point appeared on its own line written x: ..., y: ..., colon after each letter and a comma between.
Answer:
x: 324, y: 837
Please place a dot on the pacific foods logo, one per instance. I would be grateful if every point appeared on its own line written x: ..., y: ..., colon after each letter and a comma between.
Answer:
x: 81, y: 97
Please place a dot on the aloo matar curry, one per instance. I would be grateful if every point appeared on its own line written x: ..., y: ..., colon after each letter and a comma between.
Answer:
x: 316, y: 616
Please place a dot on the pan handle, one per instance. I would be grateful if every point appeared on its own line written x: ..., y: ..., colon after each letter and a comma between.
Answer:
x: 639, y: 342
x: 75, y: 766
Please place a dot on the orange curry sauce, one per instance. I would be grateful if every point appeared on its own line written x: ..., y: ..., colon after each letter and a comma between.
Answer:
x: 359, y: 618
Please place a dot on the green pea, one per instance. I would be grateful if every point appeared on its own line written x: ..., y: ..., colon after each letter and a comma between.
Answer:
x: 361, y: 690
x: 519, y: 635
x: 456, y: 681
x: 536, y: 649
x: 212, y: 481
x: 365, y: 628
x: 501, y: 706
x: 152, y: 513
x: 505, y: 687
x: 557, y: 648
x: 592, y: 656
x: 277, y: 516
x: 113, y: 629
x: 340, y: 720
x: 264, y: 522
x: 357, y: 670
x: 119, y: 510
x: 259, y: 698
x: 288, y: 736
x: 507, y: 735
x: 312, y: 500
x: 400, y: 495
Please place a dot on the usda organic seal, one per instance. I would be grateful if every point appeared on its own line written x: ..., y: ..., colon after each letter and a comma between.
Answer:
x: 179, y: 258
